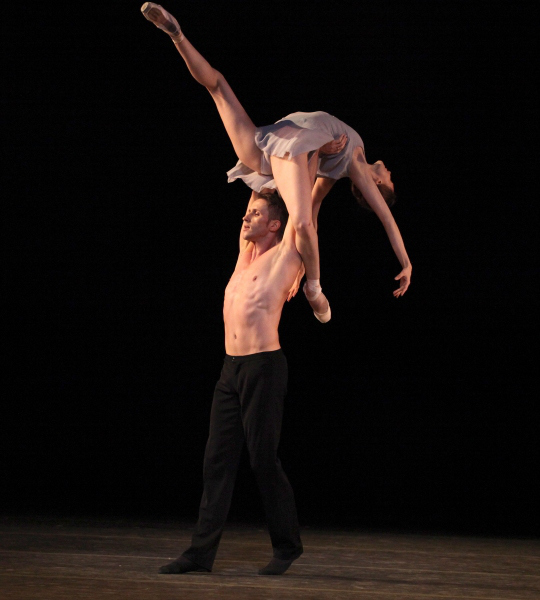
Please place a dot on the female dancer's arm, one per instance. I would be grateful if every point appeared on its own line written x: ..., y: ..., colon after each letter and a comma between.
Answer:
x: 362, y: 178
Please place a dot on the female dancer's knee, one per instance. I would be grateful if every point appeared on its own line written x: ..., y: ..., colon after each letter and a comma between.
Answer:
x: 214, y: 83
x: 303, y: 226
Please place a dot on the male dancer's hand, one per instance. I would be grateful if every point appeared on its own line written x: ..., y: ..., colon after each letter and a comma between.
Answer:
x: 334, y: 146
x: 296, y: 285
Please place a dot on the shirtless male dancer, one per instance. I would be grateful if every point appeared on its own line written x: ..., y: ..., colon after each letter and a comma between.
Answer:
x: 249, y: 396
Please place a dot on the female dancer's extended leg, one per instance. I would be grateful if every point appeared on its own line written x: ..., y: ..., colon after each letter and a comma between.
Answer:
x: 239, y: 126
x: 291, y: 176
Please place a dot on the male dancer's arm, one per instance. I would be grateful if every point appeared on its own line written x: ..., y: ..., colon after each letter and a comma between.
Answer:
x: 245, y: 246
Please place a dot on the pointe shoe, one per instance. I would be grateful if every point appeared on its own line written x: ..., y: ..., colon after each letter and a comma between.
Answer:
x: 322, y: 317
x: 157, y: 15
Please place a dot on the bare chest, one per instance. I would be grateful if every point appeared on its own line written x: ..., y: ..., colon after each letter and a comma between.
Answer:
x: 251, y: 281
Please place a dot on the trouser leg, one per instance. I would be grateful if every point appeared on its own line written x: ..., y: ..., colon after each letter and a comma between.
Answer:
x: 221, y: 459
x: 262, y: 386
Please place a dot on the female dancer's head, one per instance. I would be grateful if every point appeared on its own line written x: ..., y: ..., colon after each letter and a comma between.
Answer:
x: 383, y: 178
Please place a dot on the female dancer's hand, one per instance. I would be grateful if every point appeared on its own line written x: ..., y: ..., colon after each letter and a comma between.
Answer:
x: 296, y: 285
x: 334, y: 146
x: 404, y: 279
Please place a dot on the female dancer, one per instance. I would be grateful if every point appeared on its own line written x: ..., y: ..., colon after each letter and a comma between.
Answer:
x: 278, y: 156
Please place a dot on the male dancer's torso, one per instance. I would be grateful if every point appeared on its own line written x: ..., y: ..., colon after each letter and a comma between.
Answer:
x: 254, y: 298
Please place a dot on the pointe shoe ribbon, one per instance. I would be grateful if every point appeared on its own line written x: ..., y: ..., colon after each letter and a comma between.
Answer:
x: 313, y: 295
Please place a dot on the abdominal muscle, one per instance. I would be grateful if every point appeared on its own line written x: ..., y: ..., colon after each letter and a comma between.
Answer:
x: 251, y: 312
x: 242, y: 337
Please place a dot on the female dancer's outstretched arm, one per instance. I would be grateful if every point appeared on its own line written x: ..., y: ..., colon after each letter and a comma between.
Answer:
x: 362, y: 178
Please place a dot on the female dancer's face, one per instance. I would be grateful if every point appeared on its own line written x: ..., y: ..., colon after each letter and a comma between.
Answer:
x: 381, y: 174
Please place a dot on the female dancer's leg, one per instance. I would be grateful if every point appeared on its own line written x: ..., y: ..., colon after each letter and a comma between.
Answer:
x: 291, y: 176
x: 293, y: 182
x: 239, y: 126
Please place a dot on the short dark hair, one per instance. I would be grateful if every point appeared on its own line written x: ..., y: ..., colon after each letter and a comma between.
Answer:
x: 386, y: 192
x: 276, y: 210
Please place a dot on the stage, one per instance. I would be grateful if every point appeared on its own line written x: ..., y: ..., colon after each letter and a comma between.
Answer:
x: 51, y: 559
x: 405, y: 416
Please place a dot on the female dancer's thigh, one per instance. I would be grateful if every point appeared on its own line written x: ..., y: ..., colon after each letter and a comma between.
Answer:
x: 292, y: 180
x: 238, y: 125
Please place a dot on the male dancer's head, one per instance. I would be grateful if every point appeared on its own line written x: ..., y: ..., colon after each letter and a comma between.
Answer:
x: 267, y: 215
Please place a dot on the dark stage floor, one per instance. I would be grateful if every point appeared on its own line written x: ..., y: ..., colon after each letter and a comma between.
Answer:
x: 93, y: 559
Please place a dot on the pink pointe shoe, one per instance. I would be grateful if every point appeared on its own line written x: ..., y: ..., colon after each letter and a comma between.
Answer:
x: 157, y: 15
x: 312, y: 296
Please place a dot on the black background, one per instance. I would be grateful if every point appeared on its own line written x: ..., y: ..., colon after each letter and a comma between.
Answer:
x: 120, y: 234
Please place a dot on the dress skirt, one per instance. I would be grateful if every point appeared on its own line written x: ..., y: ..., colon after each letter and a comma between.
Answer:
x: 296, y: 134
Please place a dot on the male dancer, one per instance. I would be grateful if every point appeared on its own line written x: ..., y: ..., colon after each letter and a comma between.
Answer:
x: 248, y: 398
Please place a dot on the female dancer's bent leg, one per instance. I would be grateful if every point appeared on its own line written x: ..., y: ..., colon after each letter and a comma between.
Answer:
x: 291, y: 176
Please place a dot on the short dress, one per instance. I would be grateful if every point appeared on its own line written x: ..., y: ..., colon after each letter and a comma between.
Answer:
x: 295, y: 134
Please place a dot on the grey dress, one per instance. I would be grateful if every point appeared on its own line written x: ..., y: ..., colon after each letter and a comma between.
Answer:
x: 295, y: 134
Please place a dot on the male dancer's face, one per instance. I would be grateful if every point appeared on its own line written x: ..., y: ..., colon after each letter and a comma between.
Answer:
x: 257, y: 223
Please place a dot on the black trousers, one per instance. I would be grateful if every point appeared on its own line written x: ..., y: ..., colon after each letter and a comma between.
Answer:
x: 247, y: 405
